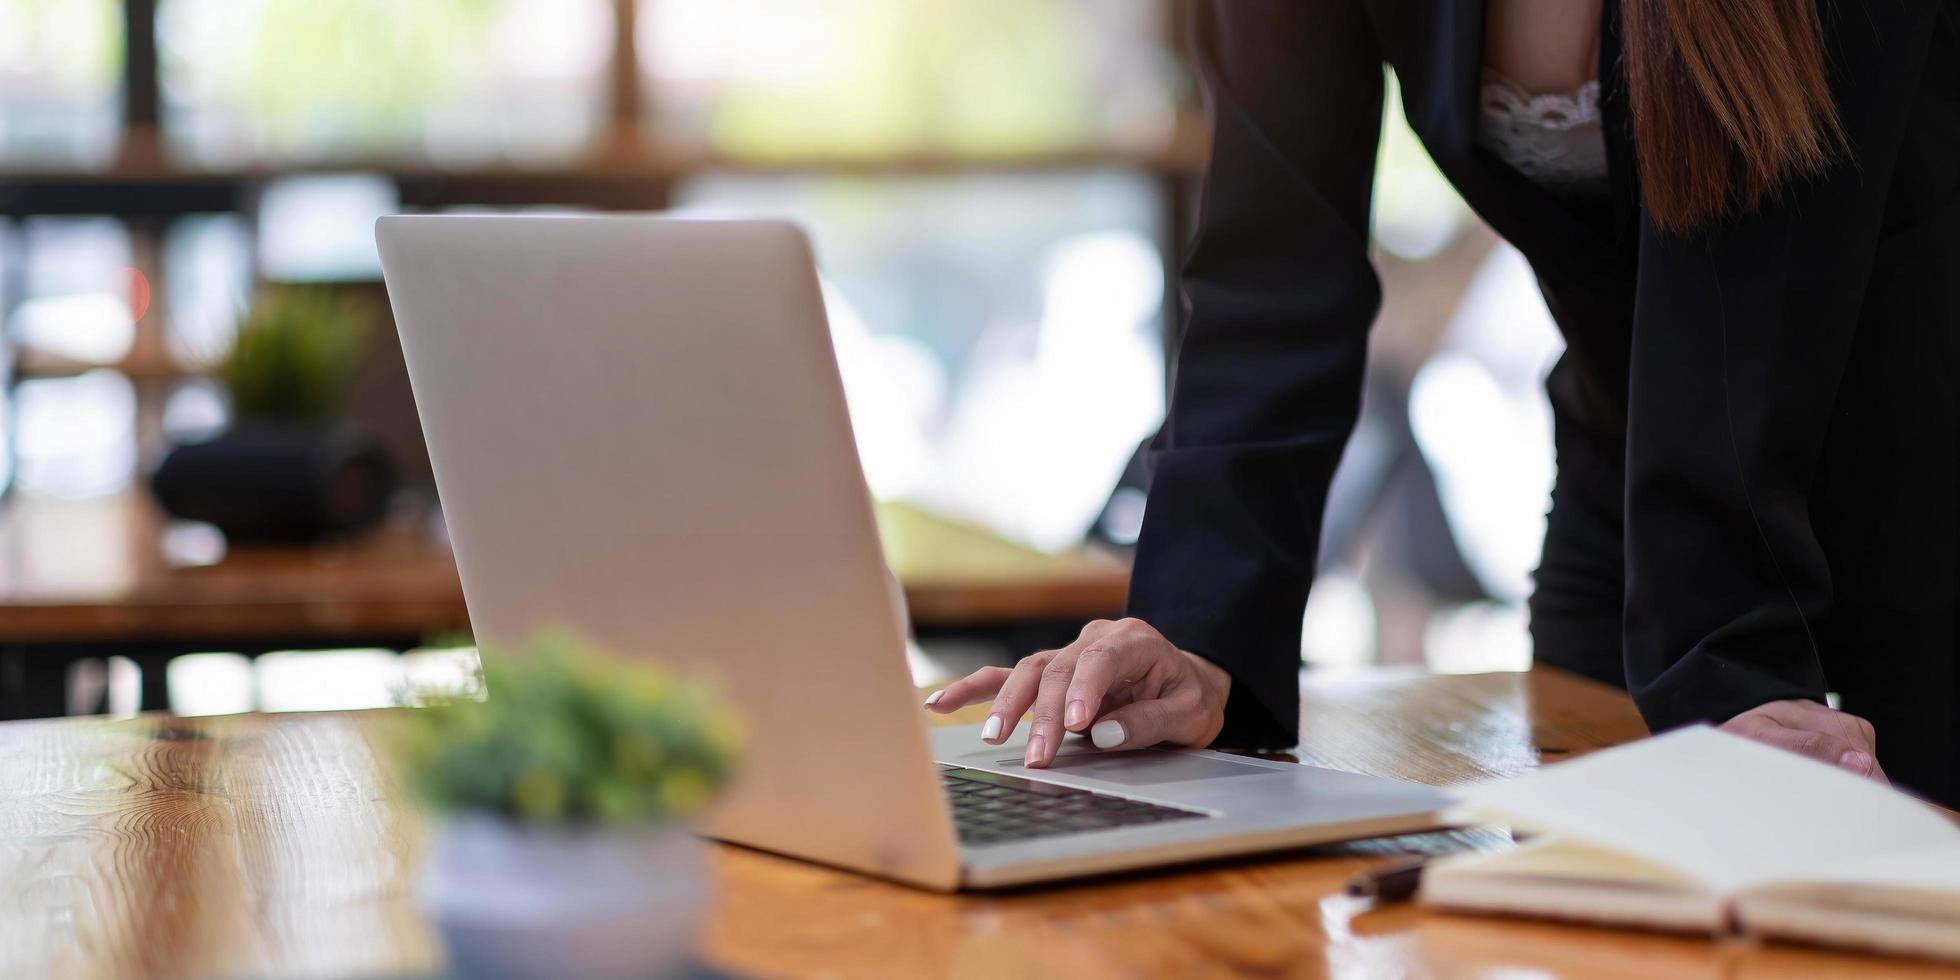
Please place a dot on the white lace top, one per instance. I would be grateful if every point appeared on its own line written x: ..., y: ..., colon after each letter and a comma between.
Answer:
x: 1554, y: 140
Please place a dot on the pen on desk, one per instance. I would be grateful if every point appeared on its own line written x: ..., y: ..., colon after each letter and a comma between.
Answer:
x: 1389, y: 883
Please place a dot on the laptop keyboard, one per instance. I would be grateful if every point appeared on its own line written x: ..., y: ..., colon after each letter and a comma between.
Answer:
x: 989, y: 808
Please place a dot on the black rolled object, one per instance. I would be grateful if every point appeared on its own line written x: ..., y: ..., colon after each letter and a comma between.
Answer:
x: 278, y: 483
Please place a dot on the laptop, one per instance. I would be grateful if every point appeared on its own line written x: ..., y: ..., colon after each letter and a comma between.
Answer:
x: 638, y: 433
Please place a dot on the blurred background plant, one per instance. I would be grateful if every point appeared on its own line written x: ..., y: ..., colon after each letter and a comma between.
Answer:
x: 295, y: 353
x: 567, y: 735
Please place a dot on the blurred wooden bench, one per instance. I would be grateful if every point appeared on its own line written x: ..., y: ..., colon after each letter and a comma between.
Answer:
x: 88, y: 578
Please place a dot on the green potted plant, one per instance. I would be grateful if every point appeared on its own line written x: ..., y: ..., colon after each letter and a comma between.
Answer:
x: 560, y: 846
x: 290, y: 467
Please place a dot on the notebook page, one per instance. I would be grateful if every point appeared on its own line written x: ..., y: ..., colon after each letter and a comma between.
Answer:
x: 1552, y: 856
x: 1929, y: 870
x: 1719, y: 808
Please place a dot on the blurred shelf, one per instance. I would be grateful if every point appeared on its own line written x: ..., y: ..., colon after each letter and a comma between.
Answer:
x: 99, y: 571
x: 139, y: 368
x: 955, y: 573
x: 622, y: 174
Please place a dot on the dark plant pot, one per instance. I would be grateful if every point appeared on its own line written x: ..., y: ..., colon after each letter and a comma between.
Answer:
x: 278, y: 482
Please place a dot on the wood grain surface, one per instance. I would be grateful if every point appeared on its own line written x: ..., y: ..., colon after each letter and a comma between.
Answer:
x: 216, y: 847
x: 276, y: 846
x: 106, y: 571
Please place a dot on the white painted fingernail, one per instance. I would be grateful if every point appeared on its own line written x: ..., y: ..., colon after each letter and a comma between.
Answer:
x: 1108, y: 734
x: 933, y: 698
x: 991, y: 730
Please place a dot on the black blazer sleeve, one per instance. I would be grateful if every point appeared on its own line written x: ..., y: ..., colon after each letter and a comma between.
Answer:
x: 1268, y: 382
x: 1740, y: 338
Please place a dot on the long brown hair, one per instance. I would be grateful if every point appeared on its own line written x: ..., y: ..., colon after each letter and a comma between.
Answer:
x: 1730, y: 103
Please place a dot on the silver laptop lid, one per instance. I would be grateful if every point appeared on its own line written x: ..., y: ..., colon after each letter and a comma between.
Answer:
x: 638, y: 433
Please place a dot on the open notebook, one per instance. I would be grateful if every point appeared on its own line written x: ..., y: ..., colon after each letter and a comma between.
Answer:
x: 1702, y: 831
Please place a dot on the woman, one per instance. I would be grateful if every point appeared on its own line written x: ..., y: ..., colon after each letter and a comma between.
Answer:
x: 1745, y: 217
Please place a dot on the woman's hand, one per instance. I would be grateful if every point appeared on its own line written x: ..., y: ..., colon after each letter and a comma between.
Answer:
x: 1121, y: 682
x: 1811, y: 729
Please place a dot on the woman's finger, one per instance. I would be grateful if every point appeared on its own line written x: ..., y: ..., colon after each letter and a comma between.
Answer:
x: 981, y: 685
x: 1103, y: 665
x: 1811, y: 715
x: 1045, y: 732
x: 1822, y: 746
x: 1176, y: 717
x: 1045, y: 726
x: 1878, y: 772
x: 1014, y: 698
x: 1815, y: 730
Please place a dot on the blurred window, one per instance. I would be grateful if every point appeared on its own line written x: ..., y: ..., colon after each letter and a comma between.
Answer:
x: 10, y: 273
x: 60, y: 81
x: 80, y: 286
x: 76, y: 436
x: 863, y: 78
x: 452, y: 81
x: 1417, y: 212
x: 999, y: 336
x: 9, y: 269
x: 207, y: 261
x: 211, y: 684
x: 327, y: 680
x: 320, y: 228
x: 195, y: 409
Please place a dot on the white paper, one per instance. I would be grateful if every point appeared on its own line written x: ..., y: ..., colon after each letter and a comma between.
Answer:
x: 1934, y: 868
x: 1724, y: 810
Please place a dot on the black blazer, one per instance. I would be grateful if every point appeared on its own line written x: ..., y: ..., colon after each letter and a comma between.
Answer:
x: 1783, y: 385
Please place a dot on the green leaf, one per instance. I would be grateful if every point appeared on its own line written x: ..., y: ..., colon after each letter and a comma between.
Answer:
x: 568, y: 735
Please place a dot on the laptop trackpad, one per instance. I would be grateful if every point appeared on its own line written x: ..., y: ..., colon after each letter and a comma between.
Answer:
x: 1146, y: 767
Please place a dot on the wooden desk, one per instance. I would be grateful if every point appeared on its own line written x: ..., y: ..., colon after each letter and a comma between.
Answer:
x: 264, y: 845
x: 104, y: 572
